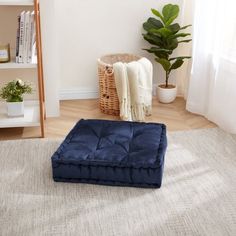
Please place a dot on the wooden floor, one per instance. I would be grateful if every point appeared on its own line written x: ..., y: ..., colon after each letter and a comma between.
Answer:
x: 173, y: 115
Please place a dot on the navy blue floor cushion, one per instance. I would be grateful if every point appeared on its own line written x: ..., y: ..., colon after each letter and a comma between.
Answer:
x: 112, y: 153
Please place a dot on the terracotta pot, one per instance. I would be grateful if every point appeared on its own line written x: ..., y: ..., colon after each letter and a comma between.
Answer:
x: 166, y: 95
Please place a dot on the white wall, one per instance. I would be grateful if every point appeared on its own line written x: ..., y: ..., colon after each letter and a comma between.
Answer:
x: 50, y: 56
x: 86, y: 29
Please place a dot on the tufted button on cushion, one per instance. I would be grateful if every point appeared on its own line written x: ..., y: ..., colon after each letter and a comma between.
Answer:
x: 113, y: 153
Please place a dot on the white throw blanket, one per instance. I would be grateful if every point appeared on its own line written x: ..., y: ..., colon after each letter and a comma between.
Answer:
x: 134, y: 88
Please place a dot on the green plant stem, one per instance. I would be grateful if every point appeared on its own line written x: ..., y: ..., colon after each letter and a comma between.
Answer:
x: 167, y: 78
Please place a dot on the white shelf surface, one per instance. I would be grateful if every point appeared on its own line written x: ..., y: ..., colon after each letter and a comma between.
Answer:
x: 14, y: 65
x: 30, y: 118
x: 17, y: 2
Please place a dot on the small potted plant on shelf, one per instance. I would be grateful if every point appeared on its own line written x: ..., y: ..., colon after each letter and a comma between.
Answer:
x: 165, y: 36
x: 13, y: 93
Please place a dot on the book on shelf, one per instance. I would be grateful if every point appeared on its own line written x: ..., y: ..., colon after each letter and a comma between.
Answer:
x: 33, y: 49
x: 22, y: 20
x: 26, y: 38
x: 17, y: 39
x: 32, y: 33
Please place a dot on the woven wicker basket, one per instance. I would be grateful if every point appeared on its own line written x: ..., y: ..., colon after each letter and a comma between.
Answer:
x: 109, y: 102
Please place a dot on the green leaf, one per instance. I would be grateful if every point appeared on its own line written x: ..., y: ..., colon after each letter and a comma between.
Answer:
x: 172, y: 44
x: 185, y: 41
x: 178, y: 63
x: 154, y: 49
x: 159, y: 52
x: 156, y: 23
x: 171, y: 20
x: 174, y: 28
x: 179, y: 35
x: 153, y: 39
x: 152, y: 23
x: 185, y: 27
x: 147, y: 26
x: 170, y: 13
x: 179, y: 58
x: 164, y: 32
x: 164, y: 62
x: 155, y: 32
x: 157, y: 13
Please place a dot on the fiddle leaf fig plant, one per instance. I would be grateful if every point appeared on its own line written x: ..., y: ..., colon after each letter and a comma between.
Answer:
x: 165, y: 36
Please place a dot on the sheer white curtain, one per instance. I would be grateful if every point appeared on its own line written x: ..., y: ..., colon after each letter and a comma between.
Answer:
x: 212, y: 86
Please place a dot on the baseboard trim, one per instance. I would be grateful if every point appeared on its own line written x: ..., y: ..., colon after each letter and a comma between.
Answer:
x: 78, y: 93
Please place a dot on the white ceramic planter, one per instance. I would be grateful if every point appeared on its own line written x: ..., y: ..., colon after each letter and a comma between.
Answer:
x: 166, y: 95
x: 15, y: 109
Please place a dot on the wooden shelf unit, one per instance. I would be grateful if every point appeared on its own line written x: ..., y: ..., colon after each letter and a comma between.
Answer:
x: 17, y: 2
x: 34, y: 110
x: 14, y: 65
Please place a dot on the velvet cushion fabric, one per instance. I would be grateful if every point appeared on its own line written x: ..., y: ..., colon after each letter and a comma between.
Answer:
x: 113, y: 153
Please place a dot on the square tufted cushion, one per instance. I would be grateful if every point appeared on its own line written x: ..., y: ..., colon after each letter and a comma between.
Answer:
x: 112, y: 153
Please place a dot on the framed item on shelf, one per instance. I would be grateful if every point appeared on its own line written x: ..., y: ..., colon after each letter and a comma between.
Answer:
x: 4, y: 53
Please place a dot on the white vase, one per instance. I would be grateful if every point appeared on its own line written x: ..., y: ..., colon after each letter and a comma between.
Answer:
x: 15, y: 109
x: 166, y: 95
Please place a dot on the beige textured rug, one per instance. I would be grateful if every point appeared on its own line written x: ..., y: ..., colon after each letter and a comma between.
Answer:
x: 198, y: 196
